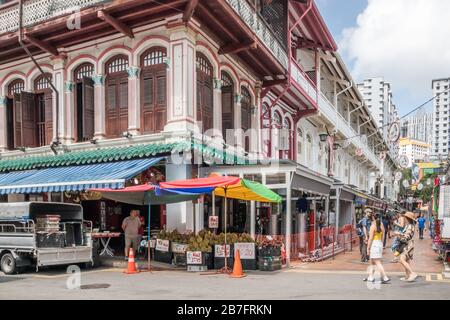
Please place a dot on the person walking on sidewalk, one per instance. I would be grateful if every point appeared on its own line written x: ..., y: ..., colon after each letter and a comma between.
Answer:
x: 421, y: 222
x: 375, y: 248
x: 364, y: 227
x: 406, y: 237
x: 386, y: 223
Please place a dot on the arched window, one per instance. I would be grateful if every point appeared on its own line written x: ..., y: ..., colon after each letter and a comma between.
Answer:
x: 153, y: 90
x: 41, y: 83
x: 15, y: 87
x: 277, y: 119
x: 246, y: 116
x: 84, y: 70
x: 309, y: 157
x: 300, y: 144
x: 43, y: 114
x: 204, y: 92
x: 227, y: 105
x: 266, y: 120
x: 288, y: 139
x: 84, y: 101
x: 116, y: 86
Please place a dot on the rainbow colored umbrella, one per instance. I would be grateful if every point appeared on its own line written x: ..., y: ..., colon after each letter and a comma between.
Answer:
x: 227, y: 187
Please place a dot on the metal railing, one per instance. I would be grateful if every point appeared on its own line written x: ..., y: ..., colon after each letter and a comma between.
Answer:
x: 27, y: 226
x: 299, y: 76
x: 37, y: 11
x: 261, y: 29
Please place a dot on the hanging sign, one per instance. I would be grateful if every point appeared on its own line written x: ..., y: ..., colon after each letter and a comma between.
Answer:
x: 420, y: 187
x: 246, y: 250
x: 405, y: 183
x: 382, y: 155
x: 162, y: 245
x: 403, y: 161
x: 213, y: 222
x: 394, y: 132
x: 194, y: 257
x: 398, y: 176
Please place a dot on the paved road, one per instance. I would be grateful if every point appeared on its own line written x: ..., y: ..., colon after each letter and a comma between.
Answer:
x: 290, y: 284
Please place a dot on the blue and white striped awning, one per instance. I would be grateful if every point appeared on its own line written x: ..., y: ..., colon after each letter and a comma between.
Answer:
x: 74, y: 178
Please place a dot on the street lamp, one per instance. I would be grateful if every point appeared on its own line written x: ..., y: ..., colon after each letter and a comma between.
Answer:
x: 323, y: 136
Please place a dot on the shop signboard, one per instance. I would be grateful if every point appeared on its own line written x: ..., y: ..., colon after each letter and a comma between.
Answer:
x: 360, y: 200
x: 444, y: 202
x: 246, y: 250
x: 179, y: 247
x: 162, y: 245
x: 194, y: 257
x: 213, y: 222
x: 219, y: 251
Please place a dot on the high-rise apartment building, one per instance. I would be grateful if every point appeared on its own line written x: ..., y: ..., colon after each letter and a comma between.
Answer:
x: 418, y: 127
x: 377, y: 95
x: 440, y: 146
x: 415, y: 150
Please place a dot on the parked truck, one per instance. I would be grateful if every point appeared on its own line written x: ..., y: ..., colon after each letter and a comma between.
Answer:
x: 38, y: 234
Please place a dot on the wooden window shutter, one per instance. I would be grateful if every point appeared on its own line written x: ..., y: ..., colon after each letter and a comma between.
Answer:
x: 25, y: 121
x: 17, y: 121
x: 88, y: 108
x: 161, y: 88
x: 123, y: 109
x: 48, y: 118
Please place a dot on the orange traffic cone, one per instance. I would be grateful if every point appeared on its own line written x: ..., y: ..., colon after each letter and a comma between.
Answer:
x: 237, y: 268
x: 131, y: 263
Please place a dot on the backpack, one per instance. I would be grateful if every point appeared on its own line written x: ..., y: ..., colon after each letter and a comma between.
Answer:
x: 359, y: 229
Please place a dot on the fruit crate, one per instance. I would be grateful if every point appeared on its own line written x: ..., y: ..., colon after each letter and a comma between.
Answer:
x: 219, y: 258
x: 270, y: 251
x: 270, y: 263
x: 165, y: 257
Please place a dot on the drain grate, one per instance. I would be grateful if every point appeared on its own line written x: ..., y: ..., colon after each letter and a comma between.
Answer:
x: 95, y: 286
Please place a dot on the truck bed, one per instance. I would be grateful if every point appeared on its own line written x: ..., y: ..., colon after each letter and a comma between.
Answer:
x: 58, y: 256
x: 17, y: 240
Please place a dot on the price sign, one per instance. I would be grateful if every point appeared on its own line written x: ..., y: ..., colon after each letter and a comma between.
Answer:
x: 214, y: 222
x: 194, y: 257
x: 219, y: 251
x: 246, y: 250
x: 179, y: 247
x: 162, y: 245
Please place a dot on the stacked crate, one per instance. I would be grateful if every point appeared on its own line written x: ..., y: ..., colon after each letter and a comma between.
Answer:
x: 48, y: 234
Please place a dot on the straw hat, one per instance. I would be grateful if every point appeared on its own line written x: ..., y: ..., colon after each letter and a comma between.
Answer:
x: 368, y: 210
x: 410, y: 216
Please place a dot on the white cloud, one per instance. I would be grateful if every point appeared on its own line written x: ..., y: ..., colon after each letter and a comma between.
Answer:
x: 406, y: 41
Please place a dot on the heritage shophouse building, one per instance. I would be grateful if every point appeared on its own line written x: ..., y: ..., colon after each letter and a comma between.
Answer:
x: 162, y: 72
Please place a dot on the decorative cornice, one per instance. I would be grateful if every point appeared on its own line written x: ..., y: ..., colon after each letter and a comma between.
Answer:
x: 217, y: 84
x: 99, y: 79
x: 133, y: 72
x: 68, y: 86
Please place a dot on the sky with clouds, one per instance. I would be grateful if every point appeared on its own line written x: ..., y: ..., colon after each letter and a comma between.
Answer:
x: 405, y: 41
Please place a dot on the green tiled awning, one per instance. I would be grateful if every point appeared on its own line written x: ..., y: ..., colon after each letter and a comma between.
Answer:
x: 112, y: 154
x: 91, y: 156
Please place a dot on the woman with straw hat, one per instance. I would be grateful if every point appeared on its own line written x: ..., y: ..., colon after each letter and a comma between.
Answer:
x: 406, y: 236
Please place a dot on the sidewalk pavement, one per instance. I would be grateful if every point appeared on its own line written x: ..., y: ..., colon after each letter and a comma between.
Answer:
x: 425, y: 260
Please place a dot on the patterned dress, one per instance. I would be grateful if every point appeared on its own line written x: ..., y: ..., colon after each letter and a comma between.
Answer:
x: 407, y: 236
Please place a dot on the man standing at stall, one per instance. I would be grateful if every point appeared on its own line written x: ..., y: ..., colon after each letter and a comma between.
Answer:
x: 130, y: 226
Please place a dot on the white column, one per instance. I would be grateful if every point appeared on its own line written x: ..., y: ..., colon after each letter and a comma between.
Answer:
x: 181, y: 80
x: 58, y: 81
x: 69, y: 88
x: 217, y: 118
x: 337, y: 210
x: 238, y: 120
x: 99, y: 106
x: 3, y: 133
x: 253, y: 219
x: 134, y: 109
x: 179, y: 215
x: 288, y: 219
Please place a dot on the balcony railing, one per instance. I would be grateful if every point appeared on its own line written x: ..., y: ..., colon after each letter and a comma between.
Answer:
x: 329, y: 111
x: 37, y: 11
x: 261, y: 29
